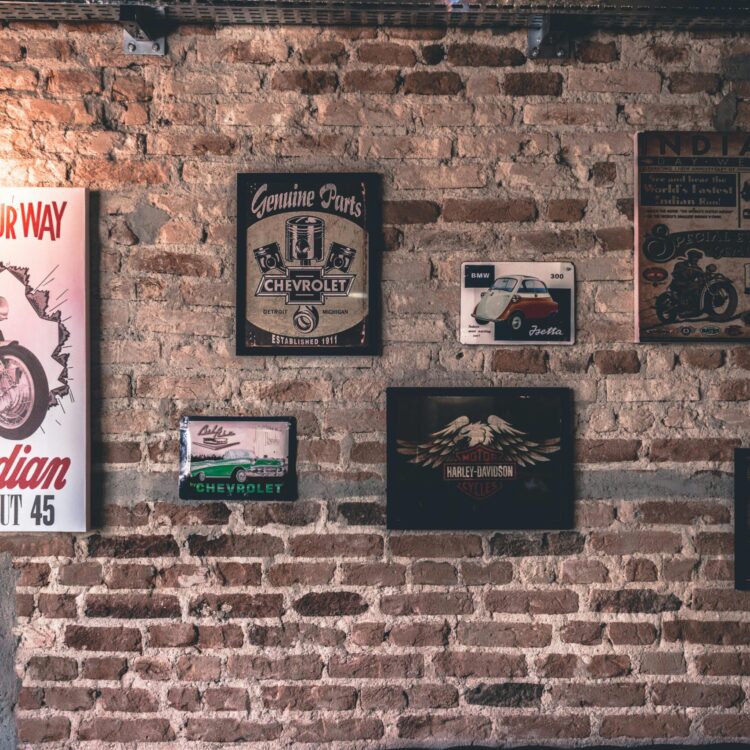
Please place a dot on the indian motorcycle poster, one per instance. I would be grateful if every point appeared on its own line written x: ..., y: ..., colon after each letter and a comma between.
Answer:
x: 517, y: 303
x: 479, y: 458
x: 306, y: 247
x: 44, y: 448
x: 693, y: 236
x: 238, y: 458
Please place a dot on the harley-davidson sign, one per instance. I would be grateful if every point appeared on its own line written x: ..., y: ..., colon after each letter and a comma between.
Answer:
x: 693, y: 236
x: 479, y: 458
x: 44, y: 449
x: 306, y: 263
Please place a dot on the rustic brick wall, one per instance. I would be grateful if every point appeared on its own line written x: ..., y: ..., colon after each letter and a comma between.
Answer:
x: 308, y: 623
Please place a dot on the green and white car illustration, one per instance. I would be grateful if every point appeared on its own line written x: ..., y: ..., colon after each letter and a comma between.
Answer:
x: 238, y: 465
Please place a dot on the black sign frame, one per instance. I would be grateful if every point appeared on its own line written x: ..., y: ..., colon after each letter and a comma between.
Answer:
x: 289, y: 491
x: 742, y: 519
x: 421, y: 497
x: 367, y: 186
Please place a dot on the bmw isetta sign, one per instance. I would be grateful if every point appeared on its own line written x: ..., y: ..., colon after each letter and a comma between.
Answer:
x: 44, y: 446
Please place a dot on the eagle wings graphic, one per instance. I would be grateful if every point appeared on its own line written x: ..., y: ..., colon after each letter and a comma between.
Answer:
x: 495, y: 433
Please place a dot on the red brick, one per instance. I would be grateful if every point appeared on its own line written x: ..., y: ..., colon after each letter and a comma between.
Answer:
x: 612, y: 695
x: 544, y: 727
x: 420, y: 634
x: 631, y: 633
x: 559, y: 601
x: 132, y: 606
x: 489, y: 210
x: 301, y: 667
x: 336, y: 545
x: 436, y: 545
x: 371, y: 81
x: 238, y: 605
x: 639, y: 726
x: 410, y: 212
x: 443, y: 83
x: 504, y: 634
x: 386, y: 52
x: 533, y: 84
x: 84, y: 638
x: 481, y: 55
x: 531, y: 361
x: 583, y: 632
x: 693, y: 449
x: 309, y: 698
x: 423, y: 727
x: 104, y: 668
x: 304, y: 81
x: 373, y: 574
x: 129, y: 701
x: 607, y: 451
x: 55, y: 668
x: 566, y: 210
x: 465, y: 664
x: 332, y: 730
x: 126, y: 730
x: 376, y: 666
x: 39, y: 730
x: 591, y: 51
x: 427, y: 603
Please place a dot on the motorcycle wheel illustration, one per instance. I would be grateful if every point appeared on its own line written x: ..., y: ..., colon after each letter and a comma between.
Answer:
x: 24, y: 392
x: 720, y: 300
x: 667, y: 307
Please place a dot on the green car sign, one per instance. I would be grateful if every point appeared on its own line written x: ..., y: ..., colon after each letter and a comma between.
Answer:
x: 237, y: 465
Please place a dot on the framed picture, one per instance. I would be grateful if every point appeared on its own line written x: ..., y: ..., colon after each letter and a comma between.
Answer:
x: 308, y: 250
x: 44, y: 365
x: 517, y: 303
x: 742, y: 518
x: 692, y: 230
x: 480, y: 458
x: 238, y: 458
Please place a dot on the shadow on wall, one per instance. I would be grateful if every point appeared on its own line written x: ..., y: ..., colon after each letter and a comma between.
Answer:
x: 7, y: 653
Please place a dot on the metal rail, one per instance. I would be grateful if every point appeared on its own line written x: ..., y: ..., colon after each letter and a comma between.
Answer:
x: 699, y: 15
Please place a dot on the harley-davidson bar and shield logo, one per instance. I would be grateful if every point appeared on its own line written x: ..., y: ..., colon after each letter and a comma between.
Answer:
x: 479, y: 472
x: 479, y: 458
x: 305, y: 263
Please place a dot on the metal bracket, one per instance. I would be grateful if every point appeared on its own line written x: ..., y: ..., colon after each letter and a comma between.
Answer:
x: 546, y: 42
x: 144, y: 30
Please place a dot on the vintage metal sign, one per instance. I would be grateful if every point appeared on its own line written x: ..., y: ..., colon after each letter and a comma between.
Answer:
x: 692, y: 236
x: 742, y: 518
x: 517, y: 303
x: 479, y: 458
x: 44, y: 431
x: 238, y: 458
x: 307, y: 246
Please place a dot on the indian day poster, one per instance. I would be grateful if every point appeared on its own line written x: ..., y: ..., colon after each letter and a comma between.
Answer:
x: 692, y: 236
x: 44, y: 437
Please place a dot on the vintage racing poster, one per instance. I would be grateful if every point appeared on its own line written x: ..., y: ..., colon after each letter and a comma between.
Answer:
x: 692, y: 231
x: 517, y: 303
x: 44, y: 431
x: 306, y: 247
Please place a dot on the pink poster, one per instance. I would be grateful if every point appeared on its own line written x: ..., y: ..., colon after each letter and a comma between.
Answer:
x: 44, y: 436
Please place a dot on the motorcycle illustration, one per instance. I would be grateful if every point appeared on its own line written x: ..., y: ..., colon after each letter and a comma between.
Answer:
x: 24, y: 391
x: 712, y: 295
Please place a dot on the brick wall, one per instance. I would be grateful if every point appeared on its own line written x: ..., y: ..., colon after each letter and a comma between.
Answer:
x: 308, y: 623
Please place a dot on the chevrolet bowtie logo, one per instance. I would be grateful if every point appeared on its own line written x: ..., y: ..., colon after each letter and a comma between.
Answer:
x: 305, y: 285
